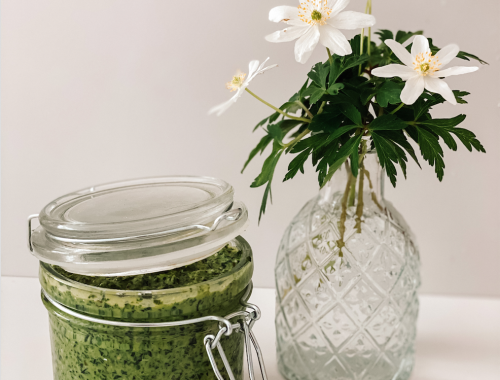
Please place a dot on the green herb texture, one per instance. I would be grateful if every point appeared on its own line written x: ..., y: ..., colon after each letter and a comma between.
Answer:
x: 200, y: 271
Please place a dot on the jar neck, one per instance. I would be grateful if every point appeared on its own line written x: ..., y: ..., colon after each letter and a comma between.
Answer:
x: 370, y: 179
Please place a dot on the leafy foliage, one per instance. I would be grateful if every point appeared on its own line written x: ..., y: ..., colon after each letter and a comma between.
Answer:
x: 345, y: 108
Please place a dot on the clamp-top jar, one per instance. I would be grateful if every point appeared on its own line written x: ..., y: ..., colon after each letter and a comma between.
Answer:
x: 133, y: 229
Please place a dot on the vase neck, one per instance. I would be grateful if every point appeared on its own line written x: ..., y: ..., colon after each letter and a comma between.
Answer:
x: 369, y: 177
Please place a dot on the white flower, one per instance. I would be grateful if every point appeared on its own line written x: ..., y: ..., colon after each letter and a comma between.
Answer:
x: 421, y: 69
x: 316, y: 21
x: 239, y: 84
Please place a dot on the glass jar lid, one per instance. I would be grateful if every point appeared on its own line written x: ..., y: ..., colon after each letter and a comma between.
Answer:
x: 138, y: 226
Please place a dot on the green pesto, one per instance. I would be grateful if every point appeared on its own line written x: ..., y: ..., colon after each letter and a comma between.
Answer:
x: 200, y: 271
x: 92, y: 351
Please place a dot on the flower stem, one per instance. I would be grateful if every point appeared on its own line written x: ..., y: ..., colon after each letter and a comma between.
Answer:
x: 397, y: 109
x: 369, y: 11
x: 290, y: 145
x: 321, y: 107
x: 329, y: 56
x: 304, y: 108
x: 277, y: 109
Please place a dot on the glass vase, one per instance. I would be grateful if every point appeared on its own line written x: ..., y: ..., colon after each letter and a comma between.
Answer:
x: 347, y: 274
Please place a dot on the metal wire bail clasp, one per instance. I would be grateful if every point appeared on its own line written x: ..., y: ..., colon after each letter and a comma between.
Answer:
x: 246, y: 322
x: 30, y: 231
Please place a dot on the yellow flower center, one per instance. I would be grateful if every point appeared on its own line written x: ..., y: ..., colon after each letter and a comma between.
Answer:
x: 314, y: 12
x: 316, y: 15
x: 426, y: 63
x: 236, y: 82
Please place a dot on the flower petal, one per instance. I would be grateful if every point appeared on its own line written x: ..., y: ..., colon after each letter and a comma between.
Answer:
x: 413, y: 89
x: 394, y: 70
x: 457, y: 70
x: 400, y: 52
x: 252, y: 67
x: 351, y: 20
x: 440, y: 87
x: 287, y: 34
x: 337, y: 6
x: 420, y: 45
x: 306, y: 44
x: 334, y: 40
x: 283, y: 13
x: 221, y: 108
x: 297, y: 22
x: 446, y: 54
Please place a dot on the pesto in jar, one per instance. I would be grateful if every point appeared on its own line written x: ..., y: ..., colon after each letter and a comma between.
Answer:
x: 86, y: 350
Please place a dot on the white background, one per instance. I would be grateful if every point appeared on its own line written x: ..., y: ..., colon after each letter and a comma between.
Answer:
x: 101, y: 90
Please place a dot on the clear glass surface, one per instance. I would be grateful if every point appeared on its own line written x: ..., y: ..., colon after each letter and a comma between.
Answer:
x: 138, y: 226
x: 347, y: 292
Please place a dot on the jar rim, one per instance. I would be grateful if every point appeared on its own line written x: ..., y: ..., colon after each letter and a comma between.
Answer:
x: 138, y: 226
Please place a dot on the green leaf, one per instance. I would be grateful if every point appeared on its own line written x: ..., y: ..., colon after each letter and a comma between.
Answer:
x: 266, y: 175
x: 275, y: 132
x: 444, y: 128
x: 267, y: 194
x: 402, y: 36
x: 264, y: 121
x: 468, y: 138
x: 261, y: 146
x: 274, y: 117
x: 445, y: 135
x: 387, y: 155
x: 268, y: 168
x: 314, y: 92
x: 341, y: 64
x: 314, y: 142
x: 398, y: 137
x: 342, y: 155
x: 326, y: 121
x: 461, y: 54
x: 352, y: 113
x: 389, y: 92
x: 387, y: 122
x: 340, y: 131
x: 297, y: 164
x: 319, y: 73
x: 431, y: 151
x: 384, y: 34
x: 299, y: 95
x: 466, y: 56
x: 355, y: 162
x: 291, y: 107
x: 459, y: 96
x: 448, y: 123
x: 334, y: 89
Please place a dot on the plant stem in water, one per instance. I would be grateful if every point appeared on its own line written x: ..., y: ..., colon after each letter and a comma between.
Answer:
x: 374, y: 196
x: 352, y: 191
x: 343, y: 215
x: 359, y: 208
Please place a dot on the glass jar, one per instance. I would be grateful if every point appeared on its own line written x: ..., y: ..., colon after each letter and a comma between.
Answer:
x: 347, y: 274
x: 137, y: 227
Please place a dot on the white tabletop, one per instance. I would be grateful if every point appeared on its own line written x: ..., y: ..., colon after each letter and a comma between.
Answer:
x: 458, y: 337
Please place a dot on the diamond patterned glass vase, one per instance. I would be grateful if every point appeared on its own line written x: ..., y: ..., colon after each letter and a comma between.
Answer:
x: 347, y: 274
